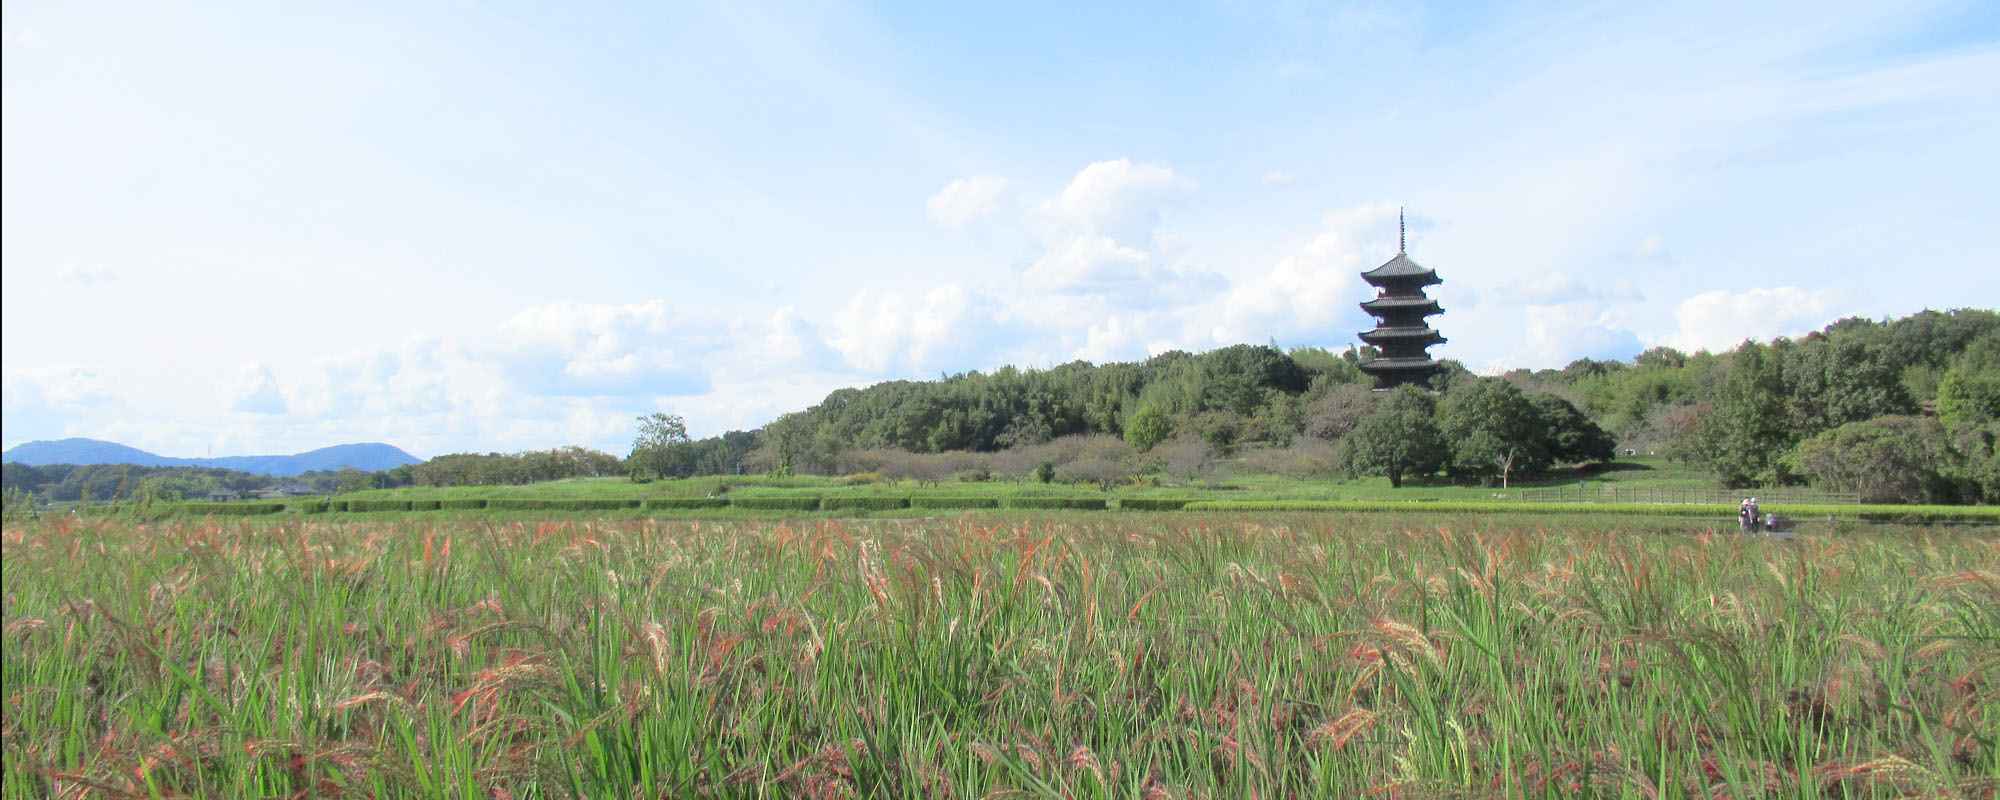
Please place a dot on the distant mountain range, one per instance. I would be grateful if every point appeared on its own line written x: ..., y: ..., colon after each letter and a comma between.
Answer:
x: 370, y: 457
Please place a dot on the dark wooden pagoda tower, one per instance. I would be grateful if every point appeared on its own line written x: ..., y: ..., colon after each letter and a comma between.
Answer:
x: 1399, y: 308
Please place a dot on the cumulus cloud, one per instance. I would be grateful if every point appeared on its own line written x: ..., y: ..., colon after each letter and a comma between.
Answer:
x: 965, y: 200
x: 1565, y: 332
x: 257, y: 391
x: 892, y: 332
x: 1087, y: 262
x: 569, y: 349
x: 1720, y: 320
x: 1118, y: 198
x: 46, y: 402
x: 1313, y: 290
x: 1556, y: 288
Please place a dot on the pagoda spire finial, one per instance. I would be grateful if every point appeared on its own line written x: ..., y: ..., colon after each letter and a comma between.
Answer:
x: 1402, y: 233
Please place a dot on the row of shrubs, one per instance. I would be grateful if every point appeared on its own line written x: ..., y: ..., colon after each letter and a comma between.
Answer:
x: 753, y: 502
x: 1880, y: 513
x: 1872, y: 513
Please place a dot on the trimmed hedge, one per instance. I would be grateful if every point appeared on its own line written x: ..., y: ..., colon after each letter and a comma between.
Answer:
x: 336, y: 505
x: 1153, y: 503
x: 426, y: 505
x: 311, y: 506
x: 566, y: 504
x: 955, y: 502
x: 686, y: 503
x: 597, y: 503
x: 362, y: 506
x: 232, y: 509
x: 864, y: 503
x: 517, y: 504
x: 1800, y: 511
x: 776, y: 503
x: 462, y: 504
x: 1065, y: 503
x: 1466, y: 507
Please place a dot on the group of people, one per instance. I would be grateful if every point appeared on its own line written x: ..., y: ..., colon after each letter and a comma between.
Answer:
x: 1749, y: 517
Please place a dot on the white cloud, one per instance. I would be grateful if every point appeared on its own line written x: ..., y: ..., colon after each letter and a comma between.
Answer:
x: 569, y: 349
x: 1086, y: 262
x: 882, y: 332
x: 1720, y: 320
x: 1308, y: 293
x: 1557, y: 288
x: 86, y: 276
x: 965, y: 200
x: 47, y: 402
x: 1110, y: 196
x: 1565, y: 332
x: 257, y: 391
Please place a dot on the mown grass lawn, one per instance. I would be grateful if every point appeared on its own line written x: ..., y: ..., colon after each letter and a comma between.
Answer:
x: 1630, y: 474
x: 1055, y: 654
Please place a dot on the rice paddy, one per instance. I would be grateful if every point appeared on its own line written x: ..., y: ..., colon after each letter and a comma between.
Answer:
x: 1064, y: 654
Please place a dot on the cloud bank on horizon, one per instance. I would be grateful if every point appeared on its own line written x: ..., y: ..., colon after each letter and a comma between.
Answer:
x: 243, y: 229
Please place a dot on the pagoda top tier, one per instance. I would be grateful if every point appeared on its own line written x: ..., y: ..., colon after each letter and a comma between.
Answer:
x: 1401, y: 270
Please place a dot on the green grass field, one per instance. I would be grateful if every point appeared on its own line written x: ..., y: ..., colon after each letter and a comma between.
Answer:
x: 1057, y: 654
x: 1630, y: 488
x: 1631, y: 474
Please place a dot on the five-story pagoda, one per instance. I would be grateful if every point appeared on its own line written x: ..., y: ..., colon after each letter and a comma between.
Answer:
x: 1399, y: 307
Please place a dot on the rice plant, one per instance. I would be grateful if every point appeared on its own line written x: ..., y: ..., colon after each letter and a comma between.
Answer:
x: 1216, y: 655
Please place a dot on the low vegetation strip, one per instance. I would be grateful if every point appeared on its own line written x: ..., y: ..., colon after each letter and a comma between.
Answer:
x: 1063, y: 503
x: 776, y: 503
x: 1885, y: 513
x: 1153, y: 503
x: 955, y: 503
x: 233, y: 509
x: 685, y: 503
x: 864, y: 503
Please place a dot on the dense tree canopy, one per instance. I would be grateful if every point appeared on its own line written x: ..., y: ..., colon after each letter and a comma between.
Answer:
x: 1398, y: 437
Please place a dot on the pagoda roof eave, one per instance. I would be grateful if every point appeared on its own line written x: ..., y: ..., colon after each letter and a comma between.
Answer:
x: 1392, y: 303
x: 1400, y: 267
x: 1398, y: 364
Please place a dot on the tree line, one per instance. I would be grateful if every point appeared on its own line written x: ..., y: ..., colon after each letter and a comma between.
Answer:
x: 1900, y: 409
x: 1896, y: 410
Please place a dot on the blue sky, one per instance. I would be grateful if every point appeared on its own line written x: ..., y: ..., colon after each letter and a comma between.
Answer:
x: 258, y: 227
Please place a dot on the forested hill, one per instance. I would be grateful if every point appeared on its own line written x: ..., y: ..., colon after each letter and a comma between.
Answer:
x: 367, y: 457
x: 1932, y: 378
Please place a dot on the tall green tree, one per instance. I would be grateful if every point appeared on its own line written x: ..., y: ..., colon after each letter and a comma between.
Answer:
x: 661, y: 447
x: 1893, y: 459
x: 1494, y: 430
x: 1745, y: 434
x: 1398, y: 438
x: 1568, y: 435
x: 1149, y: 426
